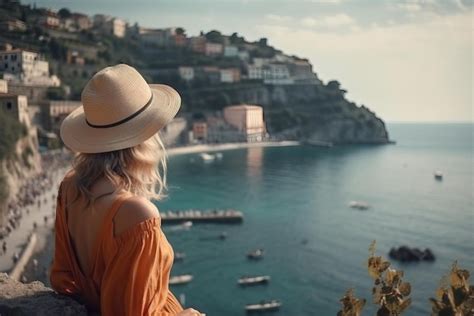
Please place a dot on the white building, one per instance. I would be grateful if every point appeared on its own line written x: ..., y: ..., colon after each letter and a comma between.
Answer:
x: 230, y: 75
x: 274, y: 73
x: 21, y: 66
x: 186, y: 73
x: 16, y: 106
x: 213, y: 49
x: 3, y: 86
x: 110, y: 25
x: 260, y: 62
x: 255, y: 72
x: 49, y: 19
x: 160, y: 37
x: 244, y: 55
x: 231, y: 51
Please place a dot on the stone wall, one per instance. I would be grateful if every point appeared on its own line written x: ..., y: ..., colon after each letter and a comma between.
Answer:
x: 18, y: 299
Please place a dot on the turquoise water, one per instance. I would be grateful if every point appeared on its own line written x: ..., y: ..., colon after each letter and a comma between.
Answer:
x: 295, y: 193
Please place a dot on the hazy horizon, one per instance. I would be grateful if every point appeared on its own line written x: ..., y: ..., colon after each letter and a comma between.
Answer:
x: 409, y: 61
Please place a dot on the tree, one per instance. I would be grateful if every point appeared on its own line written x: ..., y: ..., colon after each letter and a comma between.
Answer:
x: 333, y: 85
x: 214, y: 37
x: 262, y: 42
x: 180, y: 31
x: 64, y: 13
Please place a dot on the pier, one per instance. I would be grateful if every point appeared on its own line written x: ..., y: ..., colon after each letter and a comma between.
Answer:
x: 228, y: 216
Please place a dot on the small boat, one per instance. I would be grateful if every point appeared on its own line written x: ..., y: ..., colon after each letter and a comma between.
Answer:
x: 438, y: 175
x: 219, y: 155
x: 256, y: 254
x: 272, y: 305
x: 187, y: 224
x: 179, y: 256
x: 180, y: 279
x: 359, y: 205
x: 223, y: 235
x: 253, y: 280
x: 207, y: 157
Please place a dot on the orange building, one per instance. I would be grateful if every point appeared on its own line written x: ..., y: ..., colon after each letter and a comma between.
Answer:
x: 248, y: 119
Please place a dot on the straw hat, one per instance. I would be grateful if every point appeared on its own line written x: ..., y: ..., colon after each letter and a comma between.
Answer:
x: 120, y: 110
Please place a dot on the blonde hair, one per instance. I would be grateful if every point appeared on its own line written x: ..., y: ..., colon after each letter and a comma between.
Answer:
x: 135, y: 170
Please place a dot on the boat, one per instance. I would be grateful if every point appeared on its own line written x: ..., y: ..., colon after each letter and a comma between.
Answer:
x: 187, y: 224
x: 256, y: 254
x: 272, y: 305
x: 359, y: 205
x: 207, y: 157
x: 438, y: 175
x: 179, y: 256
x: 219, y: 155
x: 180, y: 279
x: 253, y: 280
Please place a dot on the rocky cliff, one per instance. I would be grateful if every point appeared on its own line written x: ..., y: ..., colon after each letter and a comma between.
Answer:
x: 319, y: 113
x: 19, y: 158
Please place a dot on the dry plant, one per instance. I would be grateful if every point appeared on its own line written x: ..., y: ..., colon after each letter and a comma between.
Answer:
x: 351, y: 305
x: 389, y: 291
x: 455, y: 297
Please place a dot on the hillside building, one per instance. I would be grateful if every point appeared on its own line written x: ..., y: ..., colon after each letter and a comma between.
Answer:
x: 230, y: 75
x: 213, y: 49
x: 25, y: 67
x: 248, y: 120
x: 16, y: 106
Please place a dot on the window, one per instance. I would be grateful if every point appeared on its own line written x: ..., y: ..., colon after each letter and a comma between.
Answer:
x: 9, y: 105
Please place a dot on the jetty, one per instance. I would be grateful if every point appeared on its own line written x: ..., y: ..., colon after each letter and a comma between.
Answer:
x: 218, y: 216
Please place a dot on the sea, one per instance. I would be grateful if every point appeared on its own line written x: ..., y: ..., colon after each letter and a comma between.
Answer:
x: 295, y: 202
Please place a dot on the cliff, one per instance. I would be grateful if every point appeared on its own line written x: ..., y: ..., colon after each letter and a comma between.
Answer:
x: 318, y: 113
x: 18, y: 299
x: 19, y: 158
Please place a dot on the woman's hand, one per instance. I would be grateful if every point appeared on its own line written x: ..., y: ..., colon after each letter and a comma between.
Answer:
x: 190, y: 312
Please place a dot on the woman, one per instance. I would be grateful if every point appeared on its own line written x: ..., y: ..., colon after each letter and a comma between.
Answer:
x: 110, y: 252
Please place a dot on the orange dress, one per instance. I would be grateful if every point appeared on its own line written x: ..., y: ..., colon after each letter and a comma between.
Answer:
x: 130, y: 272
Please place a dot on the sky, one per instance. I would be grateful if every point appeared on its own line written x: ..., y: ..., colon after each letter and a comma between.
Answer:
x: 407, y: 60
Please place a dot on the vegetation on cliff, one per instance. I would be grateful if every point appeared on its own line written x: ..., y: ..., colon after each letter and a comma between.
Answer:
x: 10, y: 132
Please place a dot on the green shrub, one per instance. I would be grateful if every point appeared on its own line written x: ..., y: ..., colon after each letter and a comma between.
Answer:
x: 10, y: 132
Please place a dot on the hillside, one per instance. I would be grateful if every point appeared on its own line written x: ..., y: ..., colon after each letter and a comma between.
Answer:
x: 315, y: 110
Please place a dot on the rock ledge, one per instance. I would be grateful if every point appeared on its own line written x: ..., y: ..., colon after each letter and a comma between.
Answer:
x: 18, y: 299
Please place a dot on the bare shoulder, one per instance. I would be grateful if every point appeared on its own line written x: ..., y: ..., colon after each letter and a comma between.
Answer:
x: 132, y: 212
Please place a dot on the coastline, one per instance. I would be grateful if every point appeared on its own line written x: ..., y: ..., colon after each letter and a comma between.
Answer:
x: 183, y: 150
x: 45, y: 236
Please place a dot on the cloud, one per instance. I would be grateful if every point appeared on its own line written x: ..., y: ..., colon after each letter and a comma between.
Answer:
x: 278, y: 18
x: 418, y: 71
x: 410, y: 7
x: 331, y: 21
x: 460, y: 5
x: 326, y: 1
